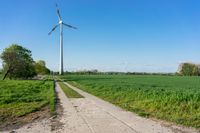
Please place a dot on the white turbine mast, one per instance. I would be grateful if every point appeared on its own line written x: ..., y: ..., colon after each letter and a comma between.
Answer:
x: 60, y: 24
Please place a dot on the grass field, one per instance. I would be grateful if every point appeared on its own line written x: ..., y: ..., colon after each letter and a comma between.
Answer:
x: 18, y: 98
x: 69, y: 92
x: 171, y: 98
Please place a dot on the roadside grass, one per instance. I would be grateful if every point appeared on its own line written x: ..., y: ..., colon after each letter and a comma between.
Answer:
x: 1, y: 76
x: 48, y: 78
x: 21, y: 97
x: 69, y: 92
x: 171, y: 98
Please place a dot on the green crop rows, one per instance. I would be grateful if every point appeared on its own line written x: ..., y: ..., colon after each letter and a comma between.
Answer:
x: 172, y: 98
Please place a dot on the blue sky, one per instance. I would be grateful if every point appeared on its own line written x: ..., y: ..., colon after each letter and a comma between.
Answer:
x: 112, y: 35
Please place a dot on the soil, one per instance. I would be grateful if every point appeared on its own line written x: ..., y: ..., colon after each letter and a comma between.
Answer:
x: 15, y: 123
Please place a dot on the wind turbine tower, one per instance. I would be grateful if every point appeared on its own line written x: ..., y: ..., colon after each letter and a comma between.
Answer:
x: 60, y: 24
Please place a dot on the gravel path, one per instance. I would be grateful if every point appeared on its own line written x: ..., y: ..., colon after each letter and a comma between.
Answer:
x: 93, y: 115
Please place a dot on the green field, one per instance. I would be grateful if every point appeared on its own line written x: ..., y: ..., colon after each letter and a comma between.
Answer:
x: 69, y: 92
x: 171, y: 98
x: 18, y: 98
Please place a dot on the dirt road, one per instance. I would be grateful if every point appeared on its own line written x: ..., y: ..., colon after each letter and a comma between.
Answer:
x: 93, y: 115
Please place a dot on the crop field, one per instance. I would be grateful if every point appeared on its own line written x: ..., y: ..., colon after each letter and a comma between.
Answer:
x: 18, y: 98
x: 171, y: 98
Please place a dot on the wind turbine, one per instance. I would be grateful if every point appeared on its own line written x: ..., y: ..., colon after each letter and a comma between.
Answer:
x: 60, y: 24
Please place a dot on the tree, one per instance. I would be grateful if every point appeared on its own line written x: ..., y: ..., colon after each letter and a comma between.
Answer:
x: 188, y: 69
x: 40, y: 68
x: 17, y: 62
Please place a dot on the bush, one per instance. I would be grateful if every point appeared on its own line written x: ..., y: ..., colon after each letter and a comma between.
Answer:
x: 40, y: 68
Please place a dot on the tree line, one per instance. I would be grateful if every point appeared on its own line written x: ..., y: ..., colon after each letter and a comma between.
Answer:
x: 96, y: 72
x: 19, y: 64
x: 184, y: 69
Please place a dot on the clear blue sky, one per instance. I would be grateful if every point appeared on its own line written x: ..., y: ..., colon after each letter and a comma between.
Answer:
x: 112, y: 35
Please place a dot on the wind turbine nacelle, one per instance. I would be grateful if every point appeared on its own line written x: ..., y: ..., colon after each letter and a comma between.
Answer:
x: 60, y: 22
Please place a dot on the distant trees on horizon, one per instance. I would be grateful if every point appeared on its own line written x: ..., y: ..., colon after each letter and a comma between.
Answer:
x: 96, y: 72
x: 19, y: 64
x: 184, y: 69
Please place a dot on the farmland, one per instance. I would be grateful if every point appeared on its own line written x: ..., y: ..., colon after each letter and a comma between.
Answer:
x: 171, y: 98
x: 21, y: 97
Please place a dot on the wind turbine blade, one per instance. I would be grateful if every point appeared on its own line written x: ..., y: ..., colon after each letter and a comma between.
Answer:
x: 69, y: 26
x: 52, y: 29
x: 58, y: 13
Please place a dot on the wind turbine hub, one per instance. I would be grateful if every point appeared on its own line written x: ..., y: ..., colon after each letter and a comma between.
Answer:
x: 60, y: 22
